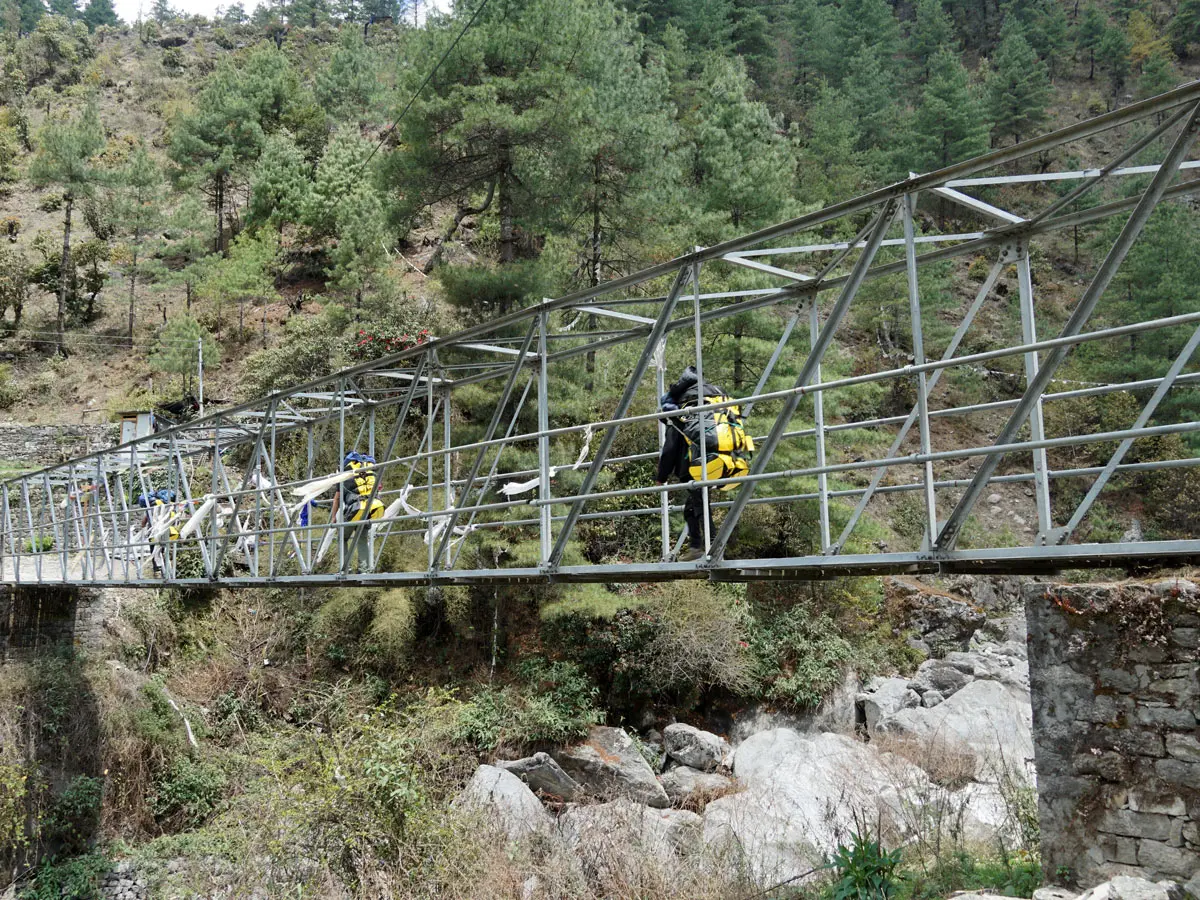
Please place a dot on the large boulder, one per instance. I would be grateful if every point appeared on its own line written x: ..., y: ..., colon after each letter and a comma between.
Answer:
x: 684, y: 784
x: 884, y: 696
x: 989, y: 720
x: 943, y: 621
x: 692, y: 747
x: 608, y: 765
x: 544, y: 775
x: 802, y: 797
x: 503, y: 795
x: 940, y: 676
x: 1129, y: 887
x: 615, y: 841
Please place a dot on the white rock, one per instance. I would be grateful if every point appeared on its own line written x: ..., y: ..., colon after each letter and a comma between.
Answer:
x: 618, y: 837
x: 692, y: 747
x: 991, y: 720
x: 508, y: 798
x: 682, y: 782
x: 885, y: 696
x: 609, y: 765
x: 801, y: 797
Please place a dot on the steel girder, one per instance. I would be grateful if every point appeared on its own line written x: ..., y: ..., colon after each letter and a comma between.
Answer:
x: 253, y: 483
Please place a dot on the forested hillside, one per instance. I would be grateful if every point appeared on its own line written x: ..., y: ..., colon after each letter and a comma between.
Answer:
x: 317, y: 183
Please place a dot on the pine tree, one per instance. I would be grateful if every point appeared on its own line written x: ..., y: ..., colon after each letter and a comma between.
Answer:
x: 950, y: 124
x: 504, y: 107
x: 349, y: 85
x: 360, y: 251
x: 830, y: 165
x: 242, y: 277
x: 280, y: 183
x: 932, y: 32
x: 20, y: 17
x: 179, y: 348
x: 65, y: 8
x: 1185, y: 27
x: 161, y: 12
x: 872, y: 90
x: 220, y: 137
x: 1017, y: 88
x: 1113, y: 57
x: 139, y: 213
x: 1158, y: 75
x: 339, y: 174
x: 743, y: 166
x: 814, y: 48
x: 753, y: 40
x: 100, y: 12
x: 867, y: 27
x: 1089, y: 34
x: 66, y: 159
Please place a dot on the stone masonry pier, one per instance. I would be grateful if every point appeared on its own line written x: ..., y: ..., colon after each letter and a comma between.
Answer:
x: 1113, y: 670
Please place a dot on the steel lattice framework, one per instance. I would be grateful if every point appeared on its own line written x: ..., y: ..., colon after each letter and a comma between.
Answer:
x: 468, y: 501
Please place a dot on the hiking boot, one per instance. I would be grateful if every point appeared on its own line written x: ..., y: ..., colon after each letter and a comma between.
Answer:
x: 692, y: 555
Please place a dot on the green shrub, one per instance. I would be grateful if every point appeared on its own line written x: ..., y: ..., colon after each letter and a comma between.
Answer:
x: 1015, y: 876
x: 802, y: 655
x: 41, y: 544
x: 9, y: 392
x: 187, y: 792
x: 77, y: 878
x: 73, y: 817
x: 555, y: 704
x: 864, y: 871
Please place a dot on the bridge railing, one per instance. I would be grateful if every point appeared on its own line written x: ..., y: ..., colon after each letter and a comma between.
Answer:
x: 492, y: 458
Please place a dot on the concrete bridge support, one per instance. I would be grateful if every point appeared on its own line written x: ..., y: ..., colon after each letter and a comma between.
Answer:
x: 1114, y: 677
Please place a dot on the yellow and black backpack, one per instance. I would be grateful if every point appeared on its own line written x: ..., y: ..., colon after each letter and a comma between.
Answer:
x: 360, y: 488
x: 727, y: 446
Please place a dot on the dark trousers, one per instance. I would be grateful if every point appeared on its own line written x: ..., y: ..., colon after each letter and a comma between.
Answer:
x: 693, y: 515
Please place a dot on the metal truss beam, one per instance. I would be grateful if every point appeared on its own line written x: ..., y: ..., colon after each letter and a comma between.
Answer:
x: 253, y: 484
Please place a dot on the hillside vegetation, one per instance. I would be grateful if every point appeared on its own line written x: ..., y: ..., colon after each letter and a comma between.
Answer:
x: 260, y: 186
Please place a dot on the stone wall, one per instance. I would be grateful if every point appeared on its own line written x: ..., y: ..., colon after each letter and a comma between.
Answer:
x: 1115, y: 690
x: 44, y: 445
x: 40, y: 620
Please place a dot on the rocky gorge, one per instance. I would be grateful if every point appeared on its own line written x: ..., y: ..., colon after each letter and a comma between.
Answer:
x: 941, y: 758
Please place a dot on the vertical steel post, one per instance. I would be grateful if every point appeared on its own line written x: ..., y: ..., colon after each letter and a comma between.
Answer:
x: 545, y: 519
x: 1037, y: 428
x: 918, y: 341
x: 705, y: 509
x: 814, y: 328
x: 876, y: 479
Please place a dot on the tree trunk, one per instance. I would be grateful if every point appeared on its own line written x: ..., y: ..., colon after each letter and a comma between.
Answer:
x: 132, y: 287
x: 219, y: 202
x: 739, y: 359
x: 593, y: 270
x: 1092, y: 64
x: 463, y: 212
x: 63, y: 276
x: 508, y: 242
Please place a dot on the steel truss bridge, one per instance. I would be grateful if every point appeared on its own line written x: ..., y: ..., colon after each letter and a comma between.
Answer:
x: 504, y: 500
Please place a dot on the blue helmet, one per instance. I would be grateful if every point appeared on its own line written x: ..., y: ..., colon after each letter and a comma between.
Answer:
x: 355, y: 457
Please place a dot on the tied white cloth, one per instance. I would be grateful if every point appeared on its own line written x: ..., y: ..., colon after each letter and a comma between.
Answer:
x: 516, y: 488
x: 198, y: 517
x: 437, y: 524
x: 314, y: 489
